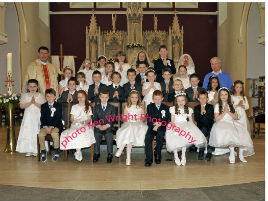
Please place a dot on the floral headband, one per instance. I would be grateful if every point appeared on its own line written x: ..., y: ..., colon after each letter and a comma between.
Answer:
x: 102, y: 56
x: 223, y: 88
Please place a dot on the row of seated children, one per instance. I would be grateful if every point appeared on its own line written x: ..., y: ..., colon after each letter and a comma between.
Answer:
x: 226, y: 132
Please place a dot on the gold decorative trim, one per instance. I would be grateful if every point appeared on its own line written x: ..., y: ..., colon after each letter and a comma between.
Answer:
x: 108, y: 5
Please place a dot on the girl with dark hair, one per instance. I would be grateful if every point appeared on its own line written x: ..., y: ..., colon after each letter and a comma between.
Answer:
x: 240, y: 102
x: 122, y: 66
x: 212, y: 89
x: 227, y: 131
x: 185, y: 133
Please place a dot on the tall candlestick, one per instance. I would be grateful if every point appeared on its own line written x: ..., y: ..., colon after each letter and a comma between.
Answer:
x: 9, y: 73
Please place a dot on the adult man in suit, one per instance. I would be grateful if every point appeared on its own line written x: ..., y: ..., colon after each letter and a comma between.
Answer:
x: 94, y: 89
x: 204, y: 117
x: 50, y: 124
x: 104, y: 117
x: 163, y: 62
x: 131, y: 84
x: 156, y: 111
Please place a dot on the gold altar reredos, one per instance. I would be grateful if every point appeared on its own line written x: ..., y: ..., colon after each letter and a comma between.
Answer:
x: 108, y: 43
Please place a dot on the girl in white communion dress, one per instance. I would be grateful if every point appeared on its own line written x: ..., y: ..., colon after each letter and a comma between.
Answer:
x: 240, y: 102
x: 186, y: 133
x: 227, y: 131
x: 80, y: 116
x: 122, y: 66
x: 30, y: 126
x: 133, y: 131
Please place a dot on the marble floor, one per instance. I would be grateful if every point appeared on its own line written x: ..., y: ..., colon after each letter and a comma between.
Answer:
x: 214, y: 180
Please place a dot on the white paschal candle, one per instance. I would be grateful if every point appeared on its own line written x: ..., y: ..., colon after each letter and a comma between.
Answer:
x: 9, y: 73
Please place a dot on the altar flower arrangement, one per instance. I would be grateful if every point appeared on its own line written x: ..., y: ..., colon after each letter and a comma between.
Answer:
x: 6, y: 99
x: 155, y: 58
x: 111, y: 59
x: 134, y: 45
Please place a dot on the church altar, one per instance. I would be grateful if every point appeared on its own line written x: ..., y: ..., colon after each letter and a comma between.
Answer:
x: 109, y: 42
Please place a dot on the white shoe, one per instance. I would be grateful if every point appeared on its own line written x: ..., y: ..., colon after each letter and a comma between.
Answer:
x: 183, y: 161
x: 77, y: 156
x: 28, y: 154
x: 242, y: 159
x: 34, y: 155
x: 232, y: 159
x: 80, y: 156
x: 128, y: 162
x: 118, y: 153
x: 178, y: 162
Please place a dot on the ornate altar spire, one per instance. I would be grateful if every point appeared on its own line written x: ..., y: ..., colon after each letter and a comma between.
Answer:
x: 134, y: 22
x: 93, y: 28
x: 114, y: 17
x: 134, y: 9
x: 155, y: 23
x: 176, y: 31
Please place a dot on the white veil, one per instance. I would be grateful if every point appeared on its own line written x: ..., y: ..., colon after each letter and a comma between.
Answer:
x: 190, y: 67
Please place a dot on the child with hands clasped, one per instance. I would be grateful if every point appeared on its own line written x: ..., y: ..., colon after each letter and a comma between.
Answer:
x: 30, y: 126
x: 240, y: 102
x: 227, y: 131
x: 148, y: 88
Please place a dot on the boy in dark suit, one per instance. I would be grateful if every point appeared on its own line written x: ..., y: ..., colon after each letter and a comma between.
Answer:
x: 167, y: 85
x: 156, y: 111
x: 163, y: 62
x: 204, y: 117
x: 193, y: 91
x: 68, y: 96
x: 50, y: 124
x: 115, y: 90
x: 94, y: 89
x: 132, y: 84
x: 141, y: 76
x: 104, y: 117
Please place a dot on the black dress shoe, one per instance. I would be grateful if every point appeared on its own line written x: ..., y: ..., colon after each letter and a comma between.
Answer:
x: 157, y: 159
x: 192, y: 148
x: 201, y: 155
x: 96, y: 158
x: 109, y: 158
x: 147, y: 164
x: 208, y: 156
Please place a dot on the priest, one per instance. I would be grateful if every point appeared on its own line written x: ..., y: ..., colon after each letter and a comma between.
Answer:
x: 43, y: 71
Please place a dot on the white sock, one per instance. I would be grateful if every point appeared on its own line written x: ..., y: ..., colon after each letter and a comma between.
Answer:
x: 120, y: 150
x: 129, y: 147
x: 183, y: 151
x: 241, y: 151
x: 231, y: 151
x: 176, y: 154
